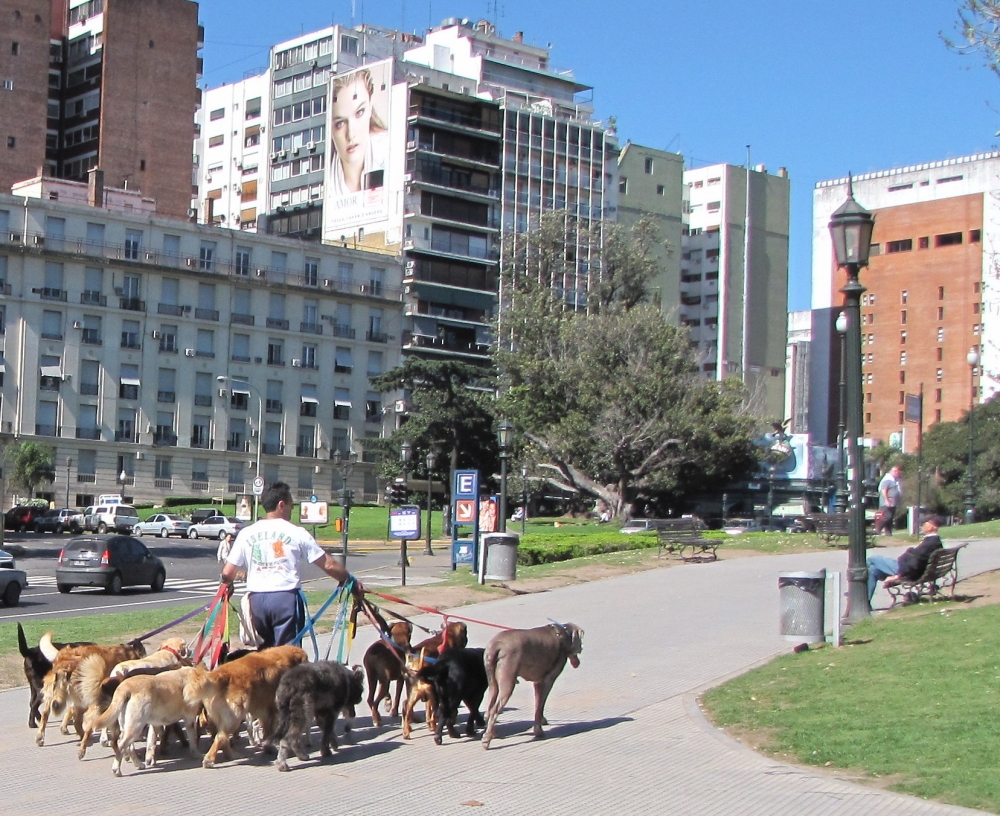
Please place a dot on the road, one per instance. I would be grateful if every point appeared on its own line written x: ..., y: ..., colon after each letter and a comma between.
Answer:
x: 192, y: 576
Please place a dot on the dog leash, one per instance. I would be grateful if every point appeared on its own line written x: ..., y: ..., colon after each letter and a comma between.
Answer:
x: 431, y: 610
x: 310, y: 626
x: 174, y: 623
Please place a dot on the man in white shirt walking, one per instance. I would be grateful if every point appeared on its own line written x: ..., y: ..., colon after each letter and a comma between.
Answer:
x: 270, y: 551
x: 889, y: 493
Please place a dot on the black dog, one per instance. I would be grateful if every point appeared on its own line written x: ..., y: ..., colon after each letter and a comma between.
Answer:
x: 458, y: 676
x: 325, y: 688
x: 36, y: 666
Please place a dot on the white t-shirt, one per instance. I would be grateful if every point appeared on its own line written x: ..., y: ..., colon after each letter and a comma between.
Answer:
x: 888, y: 488
x: 270, y: 551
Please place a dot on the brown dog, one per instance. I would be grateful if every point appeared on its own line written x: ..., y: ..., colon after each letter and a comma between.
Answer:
x: 59, y: 690
x: 173, y: 652
x: 453, y: 636
x: 539, y: 656
x: 384, y: 664
x: 240, y: 689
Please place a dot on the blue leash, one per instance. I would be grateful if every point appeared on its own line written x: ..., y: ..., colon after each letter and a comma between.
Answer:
x: 310, y: 626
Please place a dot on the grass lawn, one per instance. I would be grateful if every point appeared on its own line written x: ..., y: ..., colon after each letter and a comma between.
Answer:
x: 912, y: 700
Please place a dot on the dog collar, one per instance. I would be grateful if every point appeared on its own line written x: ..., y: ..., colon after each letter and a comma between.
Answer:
x: 172, y: 651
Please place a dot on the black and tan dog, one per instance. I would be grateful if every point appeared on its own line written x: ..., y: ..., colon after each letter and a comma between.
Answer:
x: 457, y: 676
x: 36, y: 666
x: 455, y: 635
x: 539, y: 656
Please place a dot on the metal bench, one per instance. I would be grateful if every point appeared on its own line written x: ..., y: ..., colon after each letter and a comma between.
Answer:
x: 941, y: 571
x: 679, y: 535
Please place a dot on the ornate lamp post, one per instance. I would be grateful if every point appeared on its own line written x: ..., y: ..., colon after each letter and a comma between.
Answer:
x: 524, y: 497
x: 851, y: 228
x: 69, y: 464
x: 970, y: 486
x: 505, y: 436
x: 840, y: 499
x: 345, y: 467
x: 430, y: 460
x: 405, y: 455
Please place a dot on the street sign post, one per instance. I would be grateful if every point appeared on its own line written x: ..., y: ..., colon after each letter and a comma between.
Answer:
x: 464, y: 513
x: 404, y: 522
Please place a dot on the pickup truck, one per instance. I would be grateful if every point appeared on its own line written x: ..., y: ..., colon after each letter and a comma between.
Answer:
x: 12, y: 580
x: 114, y: 518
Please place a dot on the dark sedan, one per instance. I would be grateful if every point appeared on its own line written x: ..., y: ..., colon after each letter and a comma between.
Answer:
x: 111, y: 562
x: 22, y: 518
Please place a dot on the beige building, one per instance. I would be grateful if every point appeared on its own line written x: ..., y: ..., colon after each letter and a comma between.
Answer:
x: 116, y: 325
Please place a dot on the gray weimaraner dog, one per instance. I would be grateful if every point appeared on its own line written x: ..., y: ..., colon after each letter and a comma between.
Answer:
x: 537, y: 655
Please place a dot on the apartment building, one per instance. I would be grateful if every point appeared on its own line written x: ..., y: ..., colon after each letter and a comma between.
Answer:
x: 174, y: 357
x: 109, y: 83
x: 932, y: 292
x: 734, y: 276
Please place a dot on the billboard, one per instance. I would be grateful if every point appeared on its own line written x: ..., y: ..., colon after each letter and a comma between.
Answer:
x: 358, y: 122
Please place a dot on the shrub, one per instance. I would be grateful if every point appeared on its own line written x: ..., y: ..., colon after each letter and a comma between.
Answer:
x: 174, y: 501
x: 546, y: 548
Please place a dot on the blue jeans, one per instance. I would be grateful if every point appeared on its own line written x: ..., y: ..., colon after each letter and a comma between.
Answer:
x: 880, y: 567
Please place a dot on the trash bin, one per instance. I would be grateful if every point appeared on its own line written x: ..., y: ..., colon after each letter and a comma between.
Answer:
x: 501, y: 556
x: 802, y: 597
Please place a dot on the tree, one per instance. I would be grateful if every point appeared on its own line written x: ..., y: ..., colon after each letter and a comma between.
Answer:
x: 979, y: 29
x: 30, y: 465
x: 450, y: 409
x: 611, y: 398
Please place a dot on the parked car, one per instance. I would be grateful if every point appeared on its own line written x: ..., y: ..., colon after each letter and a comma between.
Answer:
x: 111, y: 562
x: 56, y: 521
x: 12, y: 580
x: 22, y: 518
x: 642, y: 526
x: 162, y: 525
x: 215, y: 527
x: 741, y: 525
x: 117, y: 518
x: 203, y: 513
x: 80, y: 519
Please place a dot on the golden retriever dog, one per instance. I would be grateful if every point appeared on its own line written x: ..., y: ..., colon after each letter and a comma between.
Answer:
x: 240, y: 689
x: 171, y: 653
x: 149, y: 703
x: 59, y: 690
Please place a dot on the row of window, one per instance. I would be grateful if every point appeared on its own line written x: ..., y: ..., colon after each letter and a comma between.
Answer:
x: 924, y: 242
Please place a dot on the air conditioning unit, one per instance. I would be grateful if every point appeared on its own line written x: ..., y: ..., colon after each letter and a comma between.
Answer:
x: 411, y: 265
x: 274, y: 158
x: 316, y: 469
x: 311, y: 147
x: 411, y: 145
x: 327, y: 282
x: 39, y: 240
x: 223, y: 393
x: 364, y: 288
x: 238, y: 192
x: 190, y: 262
x: 140, y: 455
x: 400, y: 406
x: 189, y: 352
x: 150, y: 256
x: 407, y: 176
x: 156, y: 334
x: 261, y: 273
x: 77, y: 324
x: 296, y: 362
x: 295, y: 151
x: 282, y: 154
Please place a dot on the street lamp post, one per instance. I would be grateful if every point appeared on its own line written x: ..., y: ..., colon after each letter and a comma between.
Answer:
x: 840, y: 499
x: 345, y: 467
x: 524, y: 497
x: 430, y: 461
x: 222, y: 378
x: 405, y: 455
x: 970, y: 486
x: 69, y: 464
x: 505, y: 435
x: 851, y: 227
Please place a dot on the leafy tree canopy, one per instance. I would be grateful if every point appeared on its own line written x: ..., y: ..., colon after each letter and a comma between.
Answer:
x: 30, y: 465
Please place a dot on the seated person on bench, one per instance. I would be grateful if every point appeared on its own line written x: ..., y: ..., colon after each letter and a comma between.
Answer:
x: 910, y: 565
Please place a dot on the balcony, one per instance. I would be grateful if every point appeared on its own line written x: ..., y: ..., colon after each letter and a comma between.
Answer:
x: 166, y: 396
x: 203, y: 399
x: 49, y: 293
x: 307, y: 451
x: 126, y: 436
x: 342, y: 330
x: 205, y: 355
x: 88, y: 433
x: 445, y: 345
x: 52, y: 335
x: 238, y: 444
x: 242, y: 319
x: 207, y: 314
x: 236, y: 487
x: 272, y: 448
x: 93, y: 299
x: 91, y: 337
x: 169, y: 309
x: 47, y: 430
x: 273, y: 406
x: 131, y: 341
x: 202, y: 442
x: 276, y: 323
x: 239, y: 358
x: 132, y: 304
x: 376, y: 337
x: 199, y: 484
x: 311, y: 328
x: 165, y: 439
x: 86, y: 478
x: 89, y: 389
x: 163, y: 483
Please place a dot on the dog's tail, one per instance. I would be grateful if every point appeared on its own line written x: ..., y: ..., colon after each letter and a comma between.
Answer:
x: 201, y: 685
x: 490, y: 660
x: 22, y: 642
x: 113, y: 712
x: 92, y: 682
x: 47, y: 647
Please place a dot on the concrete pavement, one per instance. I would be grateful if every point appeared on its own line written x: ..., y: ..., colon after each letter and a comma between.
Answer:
x: 626, y: 735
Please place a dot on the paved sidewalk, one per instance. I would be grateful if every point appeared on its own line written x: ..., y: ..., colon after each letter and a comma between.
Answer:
x: 626, y: 735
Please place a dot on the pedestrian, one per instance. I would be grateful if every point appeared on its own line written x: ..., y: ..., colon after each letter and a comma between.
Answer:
x: 889, y: 492
x: 271, y: 551
x: 910, y: 565
x: 225, y: 546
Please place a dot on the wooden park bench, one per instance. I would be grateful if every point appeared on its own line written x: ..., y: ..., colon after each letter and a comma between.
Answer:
x: 941, y: 571
x: 680, y: 535
x: 834, y: 526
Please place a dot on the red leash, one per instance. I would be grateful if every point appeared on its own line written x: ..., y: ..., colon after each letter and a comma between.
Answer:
x: 433, y: 611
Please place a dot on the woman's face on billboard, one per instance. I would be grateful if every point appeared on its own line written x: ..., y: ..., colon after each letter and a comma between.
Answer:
x: 351, y: 117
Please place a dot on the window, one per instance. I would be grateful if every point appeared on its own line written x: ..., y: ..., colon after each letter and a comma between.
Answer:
x: 940, y: 334
x: 205, y: 346
x: 902, y: 358
x: 904, y: 245
x: 975, y: 236
x: 940, y: 374
x: 940, y: 353
x: 902, y: 337
x: 309, y: 357
x: 948, y: 239
x: 128, y: 387
x: 923, y: 243
x: 343, y: 361
x: 11, y: 141
x: 130, y: 334
x: 940, y: 313
x: 348, y: 45
x: 902, y: 377
x: 215, y: 141
x: 239, y: 399
x: 648, y: 166
x: 375, y: 363
x: 206, y: 256
x: 133, y: 243
x: 940, y: 293
x: 242, y: 261
x: 309, y: 401
x: 241, y: 348
x: 311, y: 272
x: 713, y: 206
x: 341, y: 404
x: 373, y: 407
x: 168, y: 339
x: 661, y: 190
x: 218, y: 113
x: 623, y: 185
x: 975, y: 308
x: 938, y: 393
x: 902, y: 316
x: 904, y: 296
x: 275, y: 352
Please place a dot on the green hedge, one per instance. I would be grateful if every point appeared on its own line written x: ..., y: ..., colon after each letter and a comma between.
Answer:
x: 546, y: 548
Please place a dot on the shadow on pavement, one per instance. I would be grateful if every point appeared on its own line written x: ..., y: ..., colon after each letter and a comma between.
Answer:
x: 567, y: 729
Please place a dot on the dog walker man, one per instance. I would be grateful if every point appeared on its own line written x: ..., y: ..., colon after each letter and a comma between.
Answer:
x: 889, y: 490
x: 270, y: 551
x: 910, y: 565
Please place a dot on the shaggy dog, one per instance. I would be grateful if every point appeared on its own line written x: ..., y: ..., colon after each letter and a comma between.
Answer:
x: 321, y: 690
x: 539, y: 656
x: 149, y: 703
x: 384, y: 664
x: 453, y: 636
x: 171, y: 653
x: 240, y: 689
x: 59, y: 690
x: 36, y: 666
x: 458, y: 676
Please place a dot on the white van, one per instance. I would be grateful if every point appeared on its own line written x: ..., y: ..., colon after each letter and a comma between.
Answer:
x: 117, y: 518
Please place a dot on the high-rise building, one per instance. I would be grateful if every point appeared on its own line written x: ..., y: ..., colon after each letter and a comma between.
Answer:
x: 102, y: 83
x: 932, y: 292
x: 734, y: 276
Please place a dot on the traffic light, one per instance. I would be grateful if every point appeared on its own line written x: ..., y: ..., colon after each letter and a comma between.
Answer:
x: 389, y: 493
x: 338, y: 525
x: 399, y: 492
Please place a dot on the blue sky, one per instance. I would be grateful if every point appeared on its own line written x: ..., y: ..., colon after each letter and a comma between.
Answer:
x: 819, y: 88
